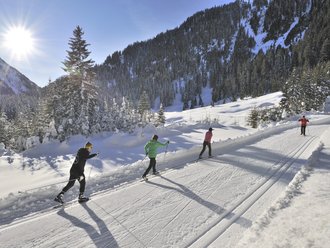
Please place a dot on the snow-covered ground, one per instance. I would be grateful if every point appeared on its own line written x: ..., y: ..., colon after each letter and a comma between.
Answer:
x: 263, y: 188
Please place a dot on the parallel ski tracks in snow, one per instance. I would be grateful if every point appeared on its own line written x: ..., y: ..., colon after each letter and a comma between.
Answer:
x: 189, y: 202
x: 214, y: 229
x: 222, y: 223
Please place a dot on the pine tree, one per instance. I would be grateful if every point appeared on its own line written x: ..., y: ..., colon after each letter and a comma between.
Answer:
x: 77, y: 63
x: 42, y: 119
x: 161, y: 116
x: 127, y: 116
x: 144, y: 108
x: 253, y: 118
x: 144, y: 104
x: 293, y: 91
x: 325, y: 51
x: 4, y: 124
x: 78, y: 96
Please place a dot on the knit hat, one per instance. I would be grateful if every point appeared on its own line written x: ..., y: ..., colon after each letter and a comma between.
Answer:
x: 88, y: 145
x: 155, y: 137
x: 210, y: 129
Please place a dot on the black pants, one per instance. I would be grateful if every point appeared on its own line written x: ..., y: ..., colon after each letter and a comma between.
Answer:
x: 152, y: 164
x: 208, y: 144
x: 303, y: 130
x: 71, y: 182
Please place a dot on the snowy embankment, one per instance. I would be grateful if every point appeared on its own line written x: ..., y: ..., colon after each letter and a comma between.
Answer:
x: 204, y: 203
x: 301, y: 215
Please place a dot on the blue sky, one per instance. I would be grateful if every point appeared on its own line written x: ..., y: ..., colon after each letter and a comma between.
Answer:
x: 109, y: 26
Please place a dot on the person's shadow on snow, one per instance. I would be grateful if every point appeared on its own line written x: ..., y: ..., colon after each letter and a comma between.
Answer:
x: 103, y: 238
x: 215, y: 208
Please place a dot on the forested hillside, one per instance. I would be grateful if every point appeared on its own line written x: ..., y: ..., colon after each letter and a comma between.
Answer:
x: 243, y: 49
x: 238, y: 50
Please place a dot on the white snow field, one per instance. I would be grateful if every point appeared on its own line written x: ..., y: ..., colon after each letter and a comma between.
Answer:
x: 262, y: 188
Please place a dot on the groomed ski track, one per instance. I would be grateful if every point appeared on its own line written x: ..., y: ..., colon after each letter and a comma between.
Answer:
x: 203, y: 203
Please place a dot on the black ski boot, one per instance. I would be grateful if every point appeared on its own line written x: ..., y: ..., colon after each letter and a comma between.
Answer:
x: 82, y: 198
x: 59, y: 198
x: 144, y: 178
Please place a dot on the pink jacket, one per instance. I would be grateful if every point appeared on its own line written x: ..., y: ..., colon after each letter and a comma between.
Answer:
x: 208, y: 136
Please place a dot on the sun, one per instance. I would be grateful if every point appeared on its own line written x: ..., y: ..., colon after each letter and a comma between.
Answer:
x: 19, y: 40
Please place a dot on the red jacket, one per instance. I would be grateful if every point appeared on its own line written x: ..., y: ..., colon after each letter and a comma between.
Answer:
x: 303, y: 121
x: 208, y: 136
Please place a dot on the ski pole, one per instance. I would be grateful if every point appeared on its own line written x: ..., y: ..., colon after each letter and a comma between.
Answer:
x: 165, y: 151
x: 89, y: 176
x: 144, y: 159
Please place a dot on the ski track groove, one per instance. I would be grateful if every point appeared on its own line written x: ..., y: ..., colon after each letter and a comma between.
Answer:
x: 210, y: 179
x: 53, y: 209
x: 172, y: 210
x: 282, y: 163
x: 168, y: 213
x: 128, y: 233
x: 194, y: 200
x: 189, y: 201
x: 223, y: 182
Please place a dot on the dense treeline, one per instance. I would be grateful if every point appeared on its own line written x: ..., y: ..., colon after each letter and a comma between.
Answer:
x: 246, y: 48
x: 214, y: 48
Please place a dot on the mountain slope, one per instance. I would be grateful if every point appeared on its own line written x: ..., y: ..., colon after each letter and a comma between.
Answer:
x: 12, y: 82
x: 236, y: 50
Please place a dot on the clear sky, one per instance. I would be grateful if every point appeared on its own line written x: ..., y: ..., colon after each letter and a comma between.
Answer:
x: 34, y: 34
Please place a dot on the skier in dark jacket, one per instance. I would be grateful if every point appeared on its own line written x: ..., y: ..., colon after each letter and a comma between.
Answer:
x: 303, y: 123
x: 77, y: 173
x: 151, y: 150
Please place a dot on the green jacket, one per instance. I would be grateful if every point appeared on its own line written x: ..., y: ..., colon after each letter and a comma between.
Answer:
x: 151, y: 148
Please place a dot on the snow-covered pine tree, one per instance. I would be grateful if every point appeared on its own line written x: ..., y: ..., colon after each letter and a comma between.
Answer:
x: 41, y: 119
x: 106, y: 122
x: 161, y: 116
x: 79, y: 95
x: 293, y: 91
x: 114, y: 115
x: 21, y: 131
x: 144, y: 108
x: 253, y: 118
x: 321, y: 75
x: 128, y: 117
x: 4, y: 126
x: 77, y: 63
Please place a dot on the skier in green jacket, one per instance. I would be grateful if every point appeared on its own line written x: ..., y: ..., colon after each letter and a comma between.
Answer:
x: 151, y: 151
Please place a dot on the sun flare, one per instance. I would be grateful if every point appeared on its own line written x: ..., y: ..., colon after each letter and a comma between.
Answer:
x: 19, y: 41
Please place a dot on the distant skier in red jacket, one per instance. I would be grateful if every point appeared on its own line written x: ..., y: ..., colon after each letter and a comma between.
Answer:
x: 207, y: 142
x: 303, y: 123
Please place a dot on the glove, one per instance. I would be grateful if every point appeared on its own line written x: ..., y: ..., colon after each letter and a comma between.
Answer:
x: 168, y: 142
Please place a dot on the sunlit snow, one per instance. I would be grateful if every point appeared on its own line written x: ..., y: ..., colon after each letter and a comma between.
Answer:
x: 265, y: 187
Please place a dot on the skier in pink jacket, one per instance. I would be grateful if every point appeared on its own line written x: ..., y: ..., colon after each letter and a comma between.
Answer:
x: 207, y: 142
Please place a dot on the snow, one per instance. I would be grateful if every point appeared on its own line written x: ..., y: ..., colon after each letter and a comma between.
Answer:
x: 261, y: 34
x: 265, y: 187
x: 12, y: 78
